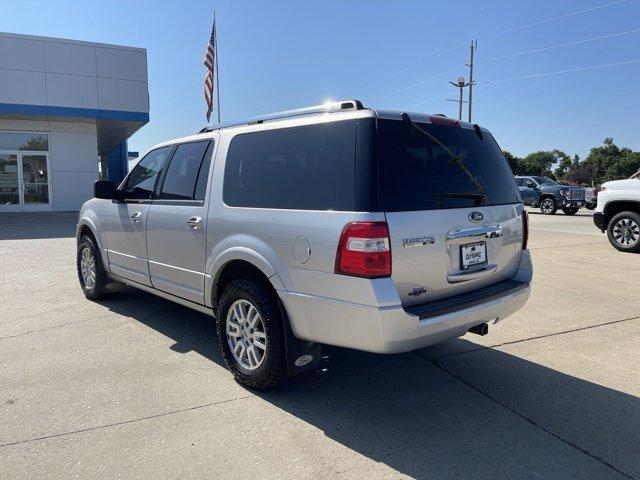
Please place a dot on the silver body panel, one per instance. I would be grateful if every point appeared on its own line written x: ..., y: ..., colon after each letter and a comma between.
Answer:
x: 124, y: 227
x: 176, y: 250
x: 435, y: 267
x: 162, y: 254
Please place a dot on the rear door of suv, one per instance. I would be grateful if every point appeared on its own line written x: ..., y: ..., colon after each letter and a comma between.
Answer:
x: 176, y: 225
x: 452, y: 207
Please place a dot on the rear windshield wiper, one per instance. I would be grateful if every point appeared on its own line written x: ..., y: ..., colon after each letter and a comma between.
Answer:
x: 455, y: 158
x: 477, y: 196
x: 460, y: 195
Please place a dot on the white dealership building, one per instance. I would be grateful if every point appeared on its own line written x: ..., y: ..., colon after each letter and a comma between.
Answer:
x: 67, y: 108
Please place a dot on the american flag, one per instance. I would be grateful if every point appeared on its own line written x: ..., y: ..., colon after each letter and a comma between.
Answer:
x: 209, y: 62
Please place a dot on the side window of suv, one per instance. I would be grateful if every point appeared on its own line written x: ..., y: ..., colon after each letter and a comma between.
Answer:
x: 187, y: 171
x: 520, y: 182
x: 307, y: 167
x: 141, y: 182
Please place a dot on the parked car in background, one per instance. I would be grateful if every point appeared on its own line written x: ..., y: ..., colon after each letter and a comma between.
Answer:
x: 590, y: 197
x: 618, y: 213
x: 366, y: 229
x: 549, y: 195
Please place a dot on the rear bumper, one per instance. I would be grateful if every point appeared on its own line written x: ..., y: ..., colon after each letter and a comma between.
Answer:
x: 598, y: 220
x: 393, y: 329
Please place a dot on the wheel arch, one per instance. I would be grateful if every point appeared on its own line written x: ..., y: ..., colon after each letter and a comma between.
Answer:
x: 235, y: 263
x: 547, y: 195
x: 87, y: 227
x: 612, y: 208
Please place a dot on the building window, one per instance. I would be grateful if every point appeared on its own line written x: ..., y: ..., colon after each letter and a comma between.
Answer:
x: 35, y: 142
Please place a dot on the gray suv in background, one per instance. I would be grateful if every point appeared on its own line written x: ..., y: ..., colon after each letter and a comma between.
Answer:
x: 374, y: 230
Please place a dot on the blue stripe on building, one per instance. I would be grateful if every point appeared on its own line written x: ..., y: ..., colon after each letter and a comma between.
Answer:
x: 53, y: 111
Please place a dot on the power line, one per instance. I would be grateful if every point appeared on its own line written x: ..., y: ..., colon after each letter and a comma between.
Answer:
x: 431, y: 99
x: 422, y: 62
x: 552, y: 19
x: 521, y: 27
x: 537, y: 75
x: 552, y: 47
x: 425, y: 80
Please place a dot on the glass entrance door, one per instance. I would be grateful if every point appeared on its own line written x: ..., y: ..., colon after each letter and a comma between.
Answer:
x: 24, y: 182
x: 9, y: 183
x: 35, y: 182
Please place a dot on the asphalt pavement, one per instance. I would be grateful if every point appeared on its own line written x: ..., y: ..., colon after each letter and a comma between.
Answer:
x: 134, y: 386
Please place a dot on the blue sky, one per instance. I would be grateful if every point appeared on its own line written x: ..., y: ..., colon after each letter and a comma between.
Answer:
x: 286, y: 54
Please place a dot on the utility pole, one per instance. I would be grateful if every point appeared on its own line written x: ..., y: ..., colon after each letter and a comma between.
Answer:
x: 460, y: 85
x: 474, y: 46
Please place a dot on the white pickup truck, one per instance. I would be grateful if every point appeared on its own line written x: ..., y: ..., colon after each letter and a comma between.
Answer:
x: 618, y: 213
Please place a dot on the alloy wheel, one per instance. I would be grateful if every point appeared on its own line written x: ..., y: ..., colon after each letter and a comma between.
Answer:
x: 626, y: 232
x: 246, y: 334
x: 547, y: 205
x: 88, y: 268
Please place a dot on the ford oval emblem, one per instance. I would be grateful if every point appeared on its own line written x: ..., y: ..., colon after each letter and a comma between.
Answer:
x: 303, y: 360
x: 476, y: 217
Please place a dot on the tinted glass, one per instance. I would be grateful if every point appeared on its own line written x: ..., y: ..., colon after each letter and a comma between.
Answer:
x: 38, y: 142
x: 182, y: 174
x: 203, y: 175
x: 309, y: 167
x: 142, y: 180
x: 545, y: 181
x: 417, y: 173
x: 520, y: 182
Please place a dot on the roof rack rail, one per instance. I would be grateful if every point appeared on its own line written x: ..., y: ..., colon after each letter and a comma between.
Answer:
x: 328, y: 107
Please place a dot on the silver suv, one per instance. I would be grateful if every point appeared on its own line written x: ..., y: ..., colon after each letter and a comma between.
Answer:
x: 374, y: 230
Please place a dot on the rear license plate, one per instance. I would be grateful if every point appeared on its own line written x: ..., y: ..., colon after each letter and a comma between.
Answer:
x: 473, y: 255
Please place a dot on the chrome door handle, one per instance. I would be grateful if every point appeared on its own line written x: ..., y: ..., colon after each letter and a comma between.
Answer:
x: 136, y: 217
x: 195, y: 223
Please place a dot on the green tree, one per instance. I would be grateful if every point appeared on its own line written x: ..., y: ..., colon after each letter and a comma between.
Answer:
x: 514, y: 162
x: 624, y: 167
x: 610, y: 162
x: 540, y: 163
x: 564, y: 164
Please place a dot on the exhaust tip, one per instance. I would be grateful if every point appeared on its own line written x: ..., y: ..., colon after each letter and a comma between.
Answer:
x: 481, y: 329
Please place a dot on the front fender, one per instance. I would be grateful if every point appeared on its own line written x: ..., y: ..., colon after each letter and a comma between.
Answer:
x: 89, y: 217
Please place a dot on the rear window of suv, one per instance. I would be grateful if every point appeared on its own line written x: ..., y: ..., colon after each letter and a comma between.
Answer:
x: 308, y: 167
x: 417, y: 173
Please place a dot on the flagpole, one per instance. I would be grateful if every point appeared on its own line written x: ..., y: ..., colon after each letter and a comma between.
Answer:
x: 215, y: 41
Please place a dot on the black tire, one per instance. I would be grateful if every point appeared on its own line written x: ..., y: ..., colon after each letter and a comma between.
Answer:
x: 569, y: 211
x: 273, y: 368
x: 590, y: 206
x: 616, y: 235
x: 548, y: 210
x: 99, y: 288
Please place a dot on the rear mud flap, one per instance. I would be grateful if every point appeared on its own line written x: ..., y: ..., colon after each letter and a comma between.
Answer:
x: 302, y: 355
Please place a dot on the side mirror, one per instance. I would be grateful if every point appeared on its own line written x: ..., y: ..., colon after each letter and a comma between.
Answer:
x: 106, y: 189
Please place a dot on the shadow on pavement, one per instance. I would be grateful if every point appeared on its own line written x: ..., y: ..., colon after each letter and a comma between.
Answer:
x: 415, y: 416
x: 580, y: 213
x: 37, y: 225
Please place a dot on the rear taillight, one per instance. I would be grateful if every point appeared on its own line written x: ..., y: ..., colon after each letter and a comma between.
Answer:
x: 525, y: 229
x: 364, y: 251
